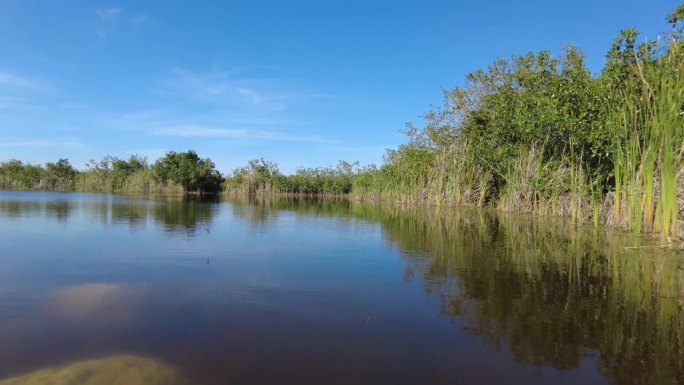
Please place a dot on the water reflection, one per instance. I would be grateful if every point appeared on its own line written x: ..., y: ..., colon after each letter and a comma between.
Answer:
x: 16, y: 209
x: 19, y: 208
x: 60, y: 209
x: 174, y: 214
x: 133, y: 213
x: 259, y: 209
x: 185, y: 214
x: 548, y: 293
x: 89, y: 302
x: 320, y: 289
x: 116, y: 370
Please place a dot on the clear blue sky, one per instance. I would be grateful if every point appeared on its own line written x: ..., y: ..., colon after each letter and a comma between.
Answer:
x: 302, y: 83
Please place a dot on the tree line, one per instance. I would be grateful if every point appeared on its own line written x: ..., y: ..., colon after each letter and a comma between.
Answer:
x: 534, y: 133
x: 175, y: 172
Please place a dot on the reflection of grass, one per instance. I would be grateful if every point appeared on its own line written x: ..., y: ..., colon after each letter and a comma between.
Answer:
x: 117, y: 370
x: 546, y: 290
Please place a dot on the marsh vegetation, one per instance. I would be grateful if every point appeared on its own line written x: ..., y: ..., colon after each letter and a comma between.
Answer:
x: 535, y: 133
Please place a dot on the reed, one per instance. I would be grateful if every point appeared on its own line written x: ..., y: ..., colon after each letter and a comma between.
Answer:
x: 648, y: 144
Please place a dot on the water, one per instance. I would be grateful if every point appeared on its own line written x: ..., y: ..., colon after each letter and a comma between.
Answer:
x: 162, y: 291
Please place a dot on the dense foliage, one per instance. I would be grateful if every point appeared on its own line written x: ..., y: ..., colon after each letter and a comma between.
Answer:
x: 17, y: 175
x: 175, y: 173
x: 261, y: 176
x: 536, y: 133
x: 540, y: 133
x: 188, y: 170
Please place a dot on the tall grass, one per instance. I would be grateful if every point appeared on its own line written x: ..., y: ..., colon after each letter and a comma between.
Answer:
x: 452, y: 176
x: 649, y: 142
x: 139, y: 182
x: 640, y: 136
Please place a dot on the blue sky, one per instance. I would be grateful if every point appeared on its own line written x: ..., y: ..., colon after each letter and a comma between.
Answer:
x: 302, y: 83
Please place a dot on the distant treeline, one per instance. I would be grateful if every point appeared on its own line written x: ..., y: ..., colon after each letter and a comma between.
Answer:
x: 175, y: 173
x: 261, y: 177
x: 535, y: 133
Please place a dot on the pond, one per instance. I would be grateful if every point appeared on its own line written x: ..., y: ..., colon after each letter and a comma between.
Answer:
x: 99, y: 289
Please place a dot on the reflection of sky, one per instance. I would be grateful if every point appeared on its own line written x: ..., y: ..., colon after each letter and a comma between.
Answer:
x: 314, y: 295
x: 94, y: 302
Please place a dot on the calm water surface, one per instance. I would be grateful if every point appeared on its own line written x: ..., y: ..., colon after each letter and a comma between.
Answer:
x: 327, y: 292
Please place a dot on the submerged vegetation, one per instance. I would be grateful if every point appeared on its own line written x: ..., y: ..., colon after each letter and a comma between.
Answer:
x: 535, y: 133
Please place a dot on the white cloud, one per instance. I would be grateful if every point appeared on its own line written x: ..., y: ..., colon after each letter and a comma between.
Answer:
x: 195, y: 131
x: 109, y: 15
x: 18, y: 92
x: 223, y: 88
x: 251, y: 94
x: 166, y: 123
x: 17, y: 82
x: 116, y: 19
x: 8, y: 102
x: 139, y: 20
x: 40, y: 143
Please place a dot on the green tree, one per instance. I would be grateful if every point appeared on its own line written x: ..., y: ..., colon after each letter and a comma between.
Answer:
x: 122, y: 169
x: 60, y: 175
x: 17, y: 175
x: 188, y: 170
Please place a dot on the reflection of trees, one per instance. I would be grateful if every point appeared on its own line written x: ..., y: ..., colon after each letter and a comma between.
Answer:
x: 172, y: 213
x: 262, y: 211
x: 186, y: 214
x: 543, y: 290
x: 59, y: 209
x: 132, y: 213
x: 118, y: 210
x: 547, y: 293
x: 259, y: 209
x: 16, y: 209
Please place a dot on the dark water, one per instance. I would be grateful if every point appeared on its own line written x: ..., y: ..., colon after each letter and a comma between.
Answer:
x: 327, y: 292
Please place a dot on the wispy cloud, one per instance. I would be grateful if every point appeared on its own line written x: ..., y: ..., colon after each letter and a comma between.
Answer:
x: 196, y: 131
x: 40, y: 143
x: 139, y: 20
x: 101, y: 33
x: 8, y: 102
x: 18, y: 82
x: 114, y: 19
x: 19, y: 92
x: 167, y: 123
x: 109, y: 15
x: 222, y: 87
